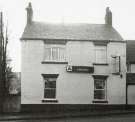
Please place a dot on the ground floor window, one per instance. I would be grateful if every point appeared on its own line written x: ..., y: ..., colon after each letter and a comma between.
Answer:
x: 100, y: 88
x: 50, y: 85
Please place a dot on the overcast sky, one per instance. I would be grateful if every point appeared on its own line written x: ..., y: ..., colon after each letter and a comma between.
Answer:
x: 62, y: 11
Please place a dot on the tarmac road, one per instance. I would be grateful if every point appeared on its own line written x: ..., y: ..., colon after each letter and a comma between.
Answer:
x: 112, y: 118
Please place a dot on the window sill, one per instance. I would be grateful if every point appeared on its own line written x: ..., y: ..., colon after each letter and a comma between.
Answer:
x: 100, y: 64
x: 50, y: 100
x: 116, y: 73
x: 100, y: 101
x: 53, y: 62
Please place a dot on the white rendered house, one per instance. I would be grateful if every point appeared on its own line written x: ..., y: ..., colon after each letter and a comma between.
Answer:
x: 72, y: 64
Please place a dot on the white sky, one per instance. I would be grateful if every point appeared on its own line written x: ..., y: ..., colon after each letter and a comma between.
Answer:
x: 87, y: 11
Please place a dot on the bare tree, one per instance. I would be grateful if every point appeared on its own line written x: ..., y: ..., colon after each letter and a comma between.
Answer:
x: 4, y: 70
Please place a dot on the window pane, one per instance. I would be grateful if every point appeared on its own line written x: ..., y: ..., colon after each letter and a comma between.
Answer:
x: 50, y: 84
x: 114, y: 65
x: 50, y: 93
x: 62, y: 54
x: 101, y: 54
x: 98, y: 56
x: 117, y: 64
x: 99, y: 84
x: 99, y: 89
x: 55, y: 53
x: 47, y: 53
x: 99, y: 94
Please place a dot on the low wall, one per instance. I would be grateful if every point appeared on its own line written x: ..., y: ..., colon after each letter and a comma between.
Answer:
x: 69, y: 107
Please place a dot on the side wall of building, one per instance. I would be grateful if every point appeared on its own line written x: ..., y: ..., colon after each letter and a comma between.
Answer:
x: 131, y: 94
x: 131, y: 85
x: 71, y: 88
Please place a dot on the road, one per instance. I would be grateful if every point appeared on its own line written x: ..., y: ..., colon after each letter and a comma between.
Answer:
x: 114, y: 118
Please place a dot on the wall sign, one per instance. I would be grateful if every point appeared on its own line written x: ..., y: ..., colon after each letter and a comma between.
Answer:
x: 130, y: 78
x: 83, y: 69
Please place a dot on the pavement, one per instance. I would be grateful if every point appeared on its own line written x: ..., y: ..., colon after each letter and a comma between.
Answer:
x: 38, y: 116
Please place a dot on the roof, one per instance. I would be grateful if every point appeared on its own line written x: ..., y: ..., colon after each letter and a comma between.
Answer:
x: 130, y: 51
x: 39, y: 30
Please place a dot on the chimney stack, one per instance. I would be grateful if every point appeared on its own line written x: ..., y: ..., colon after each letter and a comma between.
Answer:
x: 108, y: 17
x: 29, y: 14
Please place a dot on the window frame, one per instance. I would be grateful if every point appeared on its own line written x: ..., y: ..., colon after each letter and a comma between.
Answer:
x: 116, y: 65
x: 104, y: 89
x: 49, y: 76
x: 97, y: 48
x: 104, y: 79
x: 58, y: 47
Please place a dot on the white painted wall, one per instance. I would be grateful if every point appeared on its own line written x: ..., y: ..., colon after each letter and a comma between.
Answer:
x: 80, y: 53
x: 31, y: 80
x: 131, y: 94
x: 132, y: 68
x: 131, y: 88
x: 72, y: 88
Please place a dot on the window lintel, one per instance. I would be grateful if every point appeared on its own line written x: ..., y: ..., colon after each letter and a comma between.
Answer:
x: 100, y: 76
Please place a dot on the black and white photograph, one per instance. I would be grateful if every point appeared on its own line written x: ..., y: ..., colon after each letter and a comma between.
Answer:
x: 67, y: 61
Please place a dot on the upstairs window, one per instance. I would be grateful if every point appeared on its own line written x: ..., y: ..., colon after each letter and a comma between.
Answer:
x: 116, y: 64
x: 55, y: 53
x: 132, y: 68
x: 100, y: 54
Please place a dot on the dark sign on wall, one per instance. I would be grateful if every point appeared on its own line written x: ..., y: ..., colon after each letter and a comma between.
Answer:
x: 81, y: 69
x: 130, y: 78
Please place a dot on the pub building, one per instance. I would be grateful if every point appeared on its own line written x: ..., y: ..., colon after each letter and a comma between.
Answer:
x: 72, y: 66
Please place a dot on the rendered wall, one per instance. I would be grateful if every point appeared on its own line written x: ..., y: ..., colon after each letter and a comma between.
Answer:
x: 72, y: 88
x: 131, y: 94
x: 132, y: 68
